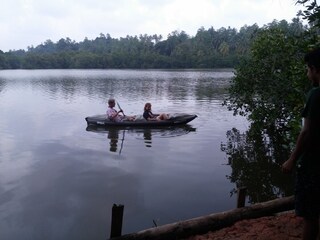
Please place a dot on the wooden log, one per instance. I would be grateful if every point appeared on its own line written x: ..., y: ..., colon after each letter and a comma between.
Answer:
x: 116, y: 220
x: 212, y: 222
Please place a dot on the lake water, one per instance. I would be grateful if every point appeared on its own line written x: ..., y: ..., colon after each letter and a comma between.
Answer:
x: 59, y: 180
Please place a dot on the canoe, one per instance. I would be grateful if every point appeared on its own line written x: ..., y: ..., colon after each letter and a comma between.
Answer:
x: 175, y: 119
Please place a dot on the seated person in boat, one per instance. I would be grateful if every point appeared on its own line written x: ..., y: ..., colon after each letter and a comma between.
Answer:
x: 114, y: 115
x: 149, y: 116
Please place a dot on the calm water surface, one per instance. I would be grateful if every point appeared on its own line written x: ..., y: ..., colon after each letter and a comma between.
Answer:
x: 59, y: 180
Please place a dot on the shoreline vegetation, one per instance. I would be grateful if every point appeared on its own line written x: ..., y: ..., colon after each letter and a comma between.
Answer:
x: 209, y: 48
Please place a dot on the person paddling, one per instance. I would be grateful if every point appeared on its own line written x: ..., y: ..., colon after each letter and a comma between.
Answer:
x: 117, y: 116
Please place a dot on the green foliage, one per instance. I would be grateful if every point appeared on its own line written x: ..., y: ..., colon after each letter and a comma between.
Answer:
x: 312, y: 15
x: 269, y: 86
x: 269, y: 89
x: 312, y: 12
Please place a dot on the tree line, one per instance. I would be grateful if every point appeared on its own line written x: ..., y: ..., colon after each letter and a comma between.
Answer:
x: 209, y: 48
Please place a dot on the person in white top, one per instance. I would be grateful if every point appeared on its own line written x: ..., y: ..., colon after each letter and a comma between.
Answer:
x: 114, y: 115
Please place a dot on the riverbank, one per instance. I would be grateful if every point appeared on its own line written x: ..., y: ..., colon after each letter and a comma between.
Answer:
x: 236, y: 220
x: 281, y: 226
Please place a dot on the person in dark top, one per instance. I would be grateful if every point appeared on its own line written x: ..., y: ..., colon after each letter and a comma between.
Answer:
x: 149, y: 116
x: 306, y: 155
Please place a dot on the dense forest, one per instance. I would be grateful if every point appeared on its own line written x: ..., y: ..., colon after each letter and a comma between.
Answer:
x: 209, y: 48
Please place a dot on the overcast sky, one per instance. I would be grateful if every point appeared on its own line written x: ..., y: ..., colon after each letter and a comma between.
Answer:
x: 26, y: 23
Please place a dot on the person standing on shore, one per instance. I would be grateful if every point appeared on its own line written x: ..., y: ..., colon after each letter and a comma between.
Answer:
x: 306, y: 155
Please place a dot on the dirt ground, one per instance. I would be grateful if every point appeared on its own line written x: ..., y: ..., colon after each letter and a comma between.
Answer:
x: 284, y: 226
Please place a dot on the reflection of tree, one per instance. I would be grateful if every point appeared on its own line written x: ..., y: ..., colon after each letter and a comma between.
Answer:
x: 211, y: 88
x: 255, y: 159
x: 66, y: 87
x: 176, y: 85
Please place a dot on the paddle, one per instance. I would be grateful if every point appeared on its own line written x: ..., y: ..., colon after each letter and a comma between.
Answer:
x: 123, y: 130
x: 122, y: 141
x: 120, y: 109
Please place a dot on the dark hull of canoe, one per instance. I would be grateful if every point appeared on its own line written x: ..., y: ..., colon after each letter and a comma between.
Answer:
x: 177, y: 119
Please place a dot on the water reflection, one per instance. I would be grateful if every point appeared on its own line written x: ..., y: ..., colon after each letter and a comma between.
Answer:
x: 172, y: 85
x: 256, y: 160
x: 113, y: 135
x: 116, y: 135
x: 56, y: 177
x: 147, y: 136
x: 2, y: 85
